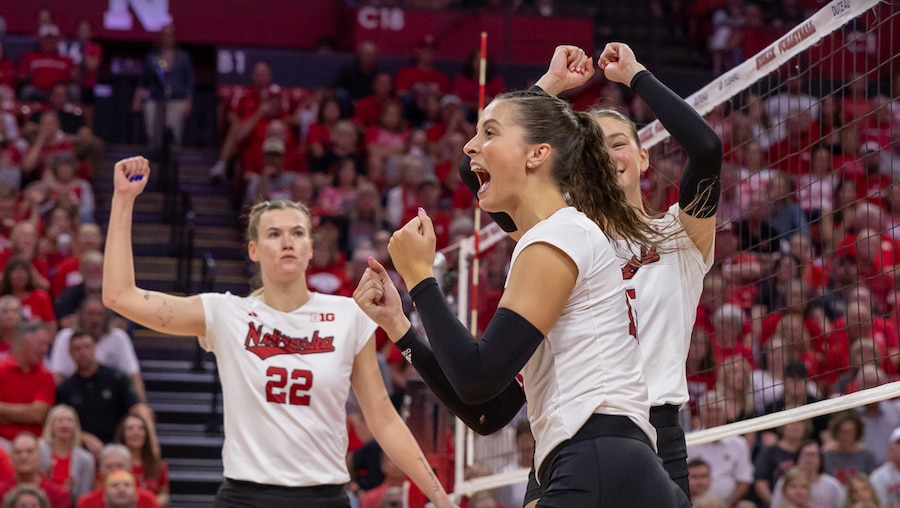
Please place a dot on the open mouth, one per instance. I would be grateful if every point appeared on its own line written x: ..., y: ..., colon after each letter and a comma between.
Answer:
x: 483, y: 177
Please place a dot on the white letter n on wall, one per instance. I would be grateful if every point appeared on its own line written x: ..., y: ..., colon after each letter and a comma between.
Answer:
x: 152, y: 14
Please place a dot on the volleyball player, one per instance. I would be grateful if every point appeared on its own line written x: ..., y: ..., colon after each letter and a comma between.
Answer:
x: 563, y: 321
x: 287, y: 358
x: 664, y: 286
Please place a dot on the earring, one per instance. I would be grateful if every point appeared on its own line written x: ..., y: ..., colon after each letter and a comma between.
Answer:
x: 530, y: 164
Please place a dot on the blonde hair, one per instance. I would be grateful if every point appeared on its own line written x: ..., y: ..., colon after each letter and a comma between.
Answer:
x: 744, y: 400
x: 253, y: 217
x: 47, y: 433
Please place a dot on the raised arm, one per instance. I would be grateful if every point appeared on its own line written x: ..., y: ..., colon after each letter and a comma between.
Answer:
x: 698, y: 194
x: 569, y: 68
x: 389, y: 430
x: 164, y: 313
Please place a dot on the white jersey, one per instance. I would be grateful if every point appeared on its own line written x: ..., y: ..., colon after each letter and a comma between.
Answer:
x: 589, y: 362
x: 886, y: 480
x: 285, y: 382
x: 114, y: 349
x: 664, y: 290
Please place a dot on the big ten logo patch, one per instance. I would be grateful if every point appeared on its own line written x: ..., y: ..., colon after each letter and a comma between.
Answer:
x: 321, y: 317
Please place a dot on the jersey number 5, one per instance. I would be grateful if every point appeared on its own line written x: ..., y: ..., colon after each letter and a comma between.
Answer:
x: 278, y: 391
x: 632, y: 328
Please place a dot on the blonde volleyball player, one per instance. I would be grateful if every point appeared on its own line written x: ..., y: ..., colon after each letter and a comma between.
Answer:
x: 664, y: 284
x: 287, y: 358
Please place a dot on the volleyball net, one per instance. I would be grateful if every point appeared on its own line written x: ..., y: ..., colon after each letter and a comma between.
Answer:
x: 799, y: 316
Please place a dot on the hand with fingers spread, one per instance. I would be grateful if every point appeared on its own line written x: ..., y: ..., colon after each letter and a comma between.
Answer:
x: 619, y: 63
x: 377, y: 296
x: 130, y: 176
x: 412, y: 249
x: 570, y: 67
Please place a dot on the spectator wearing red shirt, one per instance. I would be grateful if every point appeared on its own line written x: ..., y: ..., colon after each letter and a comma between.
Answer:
x: 403, y: 199
x: 318, y: 136
x: 274, y: 179
x: 466, y: 84
x: 393, y: 477
x: 248, y: 117
x: 339, y: 198
x: 6, y: 467
x: 452, y: 120
x: 87, y: 238
x: 416, y: 82
x: 367, y: 111
x: 387, y: 138
x: 875, y: 255
x: 877, y: 126
x: 149, y: 471
x: 73, y: 123
x: 49, y: 141
x: 853, y: 48
x: 326, y: 273
x: 366, y: 217
x: 19, y: 282
x: 27, y: 390
x: 38, y: 70
x: 731, y: 338
x: 791, y: 154
x: 856, y: 105
x: 26, y: 458
x: 272, y: 126
x: 860, y: 323
x: 715, y: 289
x: 114, y: 458
x: 795, y: 302
x: 872, y: 184
x: 430, y: 200
x: 24, y: 245
x: 68, y: 189
x: 754, y: 35
x: 742, y: 273
x: 10, y: 320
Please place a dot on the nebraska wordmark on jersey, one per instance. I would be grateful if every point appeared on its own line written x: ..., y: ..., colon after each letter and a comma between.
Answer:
x: 285, y: 382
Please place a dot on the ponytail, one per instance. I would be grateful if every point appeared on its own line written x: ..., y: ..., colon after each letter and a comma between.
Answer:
x: 582, y: 164
x: 593, y: 187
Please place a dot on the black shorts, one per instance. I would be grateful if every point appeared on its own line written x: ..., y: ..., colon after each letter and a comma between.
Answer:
x: 608, y: 463
x: 241, y: 494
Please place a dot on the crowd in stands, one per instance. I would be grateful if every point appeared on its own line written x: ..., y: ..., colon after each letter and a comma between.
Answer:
x: 70, y: 383
x: 801, y: 304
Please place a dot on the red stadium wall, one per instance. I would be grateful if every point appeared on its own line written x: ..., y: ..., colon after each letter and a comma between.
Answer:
x: 300, y: 25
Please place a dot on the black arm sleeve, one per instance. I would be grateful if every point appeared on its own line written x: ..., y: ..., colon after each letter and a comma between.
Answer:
x: 485, y: 418
x: 477, y: 369
x: 698, y: 194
